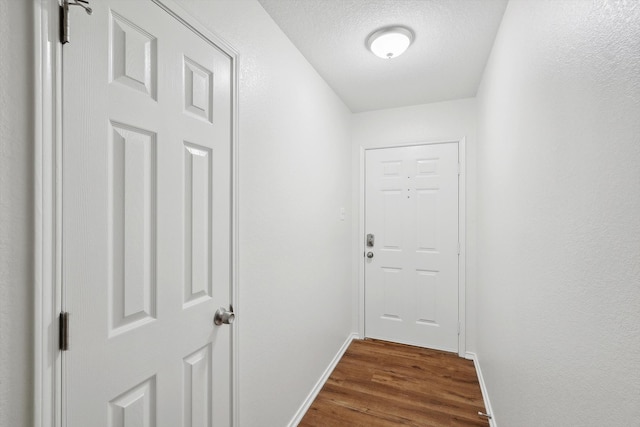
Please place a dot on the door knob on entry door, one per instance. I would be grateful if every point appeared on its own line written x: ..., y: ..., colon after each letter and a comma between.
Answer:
x: 223, y: 316
x: 369, y: 255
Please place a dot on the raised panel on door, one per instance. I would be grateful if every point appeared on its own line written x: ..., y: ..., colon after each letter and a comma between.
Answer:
x: 426, y: 297
x: 198, y: 388
x: 133, y: 56
x: 146, y: 220
x: 131, y: 234
x: 135, y: 407
x: 198, y: 284
x: 411, y: 283
x: 391, y: 238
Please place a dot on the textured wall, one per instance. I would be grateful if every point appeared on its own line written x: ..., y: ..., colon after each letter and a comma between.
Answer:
x: 295, y: 253
x: 559, y: 215
x: 16, y: 213
x: 452, y: 119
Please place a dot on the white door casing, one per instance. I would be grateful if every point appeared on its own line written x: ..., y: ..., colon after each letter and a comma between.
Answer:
x: 147, y: 229
x: 411, y: 282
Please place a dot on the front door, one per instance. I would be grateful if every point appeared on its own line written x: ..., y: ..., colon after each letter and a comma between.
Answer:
x: 146, y: 220
x: 411, y: 245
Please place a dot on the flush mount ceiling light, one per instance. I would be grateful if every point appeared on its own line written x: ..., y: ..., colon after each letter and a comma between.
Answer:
x: 390, y: 42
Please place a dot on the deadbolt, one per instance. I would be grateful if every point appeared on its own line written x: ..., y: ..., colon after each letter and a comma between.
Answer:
x: 370, y: 240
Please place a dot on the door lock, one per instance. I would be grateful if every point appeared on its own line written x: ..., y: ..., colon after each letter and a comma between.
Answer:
x: 370, y: 240
x: 223, y: 316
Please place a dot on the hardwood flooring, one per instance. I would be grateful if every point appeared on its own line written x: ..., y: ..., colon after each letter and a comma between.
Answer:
x: 378, y: 383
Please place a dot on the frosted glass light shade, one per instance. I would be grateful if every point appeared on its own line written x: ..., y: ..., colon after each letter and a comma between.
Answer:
x: 390, y: 42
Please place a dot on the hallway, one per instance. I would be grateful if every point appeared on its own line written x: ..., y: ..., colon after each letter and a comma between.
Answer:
x: 551, y: 246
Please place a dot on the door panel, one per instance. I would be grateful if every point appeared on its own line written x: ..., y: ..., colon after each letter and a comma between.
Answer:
x: 146, y: 209
x: 411, y: 282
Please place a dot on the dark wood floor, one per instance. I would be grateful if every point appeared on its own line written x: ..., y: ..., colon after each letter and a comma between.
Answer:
x: 377, y: 383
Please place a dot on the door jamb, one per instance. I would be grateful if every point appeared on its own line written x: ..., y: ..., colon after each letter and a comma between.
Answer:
x: 462, y: 215
x: 47, y: 132
x: 47, y: 160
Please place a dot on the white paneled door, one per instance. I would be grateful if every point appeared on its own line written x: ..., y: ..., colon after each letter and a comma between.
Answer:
x: 146, y: 220
x: 411, y: 245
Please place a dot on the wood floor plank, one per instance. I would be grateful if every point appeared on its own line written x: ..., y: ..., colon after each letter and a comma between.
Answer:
x: 379, y: 384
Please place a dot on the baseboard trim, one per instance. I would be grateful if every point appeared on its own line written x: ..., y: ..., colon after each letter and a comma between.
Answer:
x: 323, y: 379
x: 483, y: 388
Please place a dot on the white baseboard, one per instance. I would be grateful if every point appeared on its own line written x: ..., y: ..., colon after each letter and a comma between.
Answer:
x: 483, y: 388
x: 323, y: 379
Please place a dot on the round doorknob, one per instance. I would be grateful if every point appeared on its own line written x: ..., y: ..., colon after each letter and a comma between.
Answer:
x: 369, y: 254
x: 223, y: 316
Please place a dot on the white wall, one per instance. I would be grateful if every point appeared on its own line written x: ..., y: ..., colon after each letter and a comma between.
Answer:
x: 295, y: 253
x: 559, y: 215
x: 428, y: 122
x: 16, y: 213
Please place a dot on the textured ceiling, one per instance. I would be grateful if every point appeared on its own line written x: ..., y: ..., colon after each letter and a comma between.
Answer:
x: 453, y: 39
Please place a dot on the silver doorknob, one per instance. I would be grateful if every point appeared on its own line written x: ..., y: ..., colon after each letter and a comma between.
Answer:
x: 369, y: 254
x: 223, y: 316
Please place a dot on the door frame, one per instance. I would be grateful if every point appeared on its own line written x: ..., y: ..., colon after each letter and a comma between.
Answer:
x: 48, y: 361
x: 462, y: 216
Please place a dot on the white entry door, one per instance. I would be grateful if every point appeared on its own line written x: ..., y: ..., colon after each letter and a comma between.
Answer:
x: 146, y: 220
x: 411, y: 260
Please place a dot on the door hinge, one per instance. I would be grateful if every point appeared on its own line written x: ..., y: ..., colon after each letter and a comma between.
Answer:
x: 458, y: 328
x: 64, y: 16
x: 63, y: 328
x: 458, y: 248
x: 459, y: 169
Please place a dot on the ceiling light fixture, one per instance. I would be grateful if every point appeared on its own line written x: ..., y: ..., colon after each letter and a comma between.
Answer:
x: 390, y: 42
